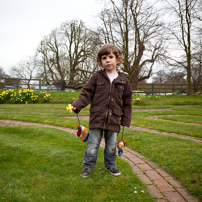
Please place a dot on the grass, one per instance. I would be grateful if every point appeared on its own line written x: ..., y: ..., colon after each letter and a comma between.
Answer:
x: 160, y: 100
x: 63, y: 96
x: 181, y: 158
x: 41, y: 113
x: 181, y: 118
x: 42, y: 164
x: 142, y: 119
x: 168, y: 126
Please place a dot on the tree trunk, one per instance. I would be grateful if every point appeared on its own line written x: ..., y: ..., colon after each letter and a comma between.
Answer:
x: 189, y: 83
x: 135, y: 77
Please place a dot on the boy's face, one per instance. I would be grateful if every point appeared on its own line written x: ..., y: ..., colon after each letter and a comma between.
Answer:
x: 109, y: 62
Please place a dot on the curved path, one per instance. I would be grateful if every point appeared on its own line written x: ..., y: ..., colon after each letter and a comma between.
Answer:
x: 162, y: 186
x: 157, y: 117
x: 195, y: 139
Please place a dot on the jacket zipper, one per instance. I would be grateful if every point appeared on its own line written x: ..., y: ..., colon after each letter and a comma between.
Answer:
x: 107, y: 111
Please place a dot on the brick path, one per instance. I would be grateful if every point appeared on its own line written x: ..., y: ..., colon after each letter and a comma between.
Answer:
x: 157, y: 117
x: 162, y: 186
x: 195, y: 139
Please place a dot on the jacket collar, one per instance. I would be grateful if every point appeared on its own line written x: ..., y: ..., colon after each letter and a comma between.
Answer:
x: 120, y: 79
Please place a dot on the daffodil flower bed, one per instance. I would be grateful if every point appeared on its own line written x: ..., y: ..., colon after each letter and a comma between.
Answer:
x: 24, y: 96
x: 143, y: 99
x: 198, y: 93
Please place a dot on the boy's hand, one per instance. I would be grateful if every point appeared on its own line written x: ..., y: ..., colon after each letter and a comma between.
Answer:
x: 73, y: 108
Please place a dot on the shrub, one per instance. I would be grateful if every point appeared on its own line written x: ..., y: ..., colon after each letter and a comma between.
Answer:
x: 46, y: 97
x: 23, y: 96
x: 198, y: 93
x: 6, y: 95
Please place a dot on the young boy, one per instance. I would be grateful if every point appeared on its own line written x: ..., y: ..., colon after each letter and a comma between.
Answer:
x: 110, y: 94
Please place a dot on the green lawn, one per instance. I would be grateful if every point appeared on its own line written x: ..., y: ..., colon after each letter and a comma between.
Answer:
x: 178, y: 125
x: 181, y: 158
x: 42, y: 164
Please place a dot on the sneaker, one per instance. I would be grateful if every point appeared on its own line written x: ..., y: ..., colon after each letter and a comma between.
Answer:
x: 86, y: 172
x: 114, y: 171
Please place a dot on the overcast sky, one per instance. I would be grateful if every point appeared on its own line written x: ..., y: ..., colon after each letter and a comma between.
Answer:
x: 24, y: 23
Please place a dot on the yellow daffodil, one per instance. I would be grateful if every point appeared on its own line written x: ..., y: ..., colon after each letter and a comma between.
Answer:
x: 69, y: 107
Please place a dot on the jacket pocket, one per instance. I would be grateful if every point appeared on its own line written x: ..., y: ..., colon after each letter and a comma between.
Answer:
x: 96, y: 116
x: 118, y: 112
x: 115, y: 117
x: 119, y: 90
x: 99, y: 87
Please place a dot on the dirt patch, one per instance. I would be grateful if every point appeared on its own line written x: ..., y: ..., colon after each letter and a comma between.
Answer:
x: 85, y: 118
x: 186, y: 106
x: 149, y: 110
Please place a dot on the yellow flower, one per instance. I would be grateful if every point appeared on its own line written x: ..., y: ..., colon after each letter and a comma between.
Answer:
x: 69, y: 107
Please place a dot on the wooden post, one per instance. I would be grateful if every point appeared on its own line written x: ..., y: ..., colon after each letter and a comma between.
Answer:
x: 17, y: 83
x: 39, y: 84
x: 63, y: 85
x: 152, y: 89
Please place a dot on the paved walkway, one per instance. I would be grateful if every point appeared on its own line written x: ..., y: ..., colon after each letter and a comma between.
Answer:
x: 162, y: 186
x: 157, y: 117
x: 195, y: 139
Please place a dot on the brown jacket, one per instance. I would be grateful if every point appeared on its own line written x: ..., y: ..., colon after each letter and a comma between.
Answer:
x: 111, y: 103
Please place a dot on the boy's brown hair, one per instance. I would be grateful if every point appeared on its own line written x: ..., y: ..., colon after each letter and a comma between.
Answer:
x: 106, y: 50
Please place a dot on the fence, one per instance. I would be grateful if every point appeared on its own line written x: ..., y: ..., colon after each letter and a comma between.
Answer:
x: 166, y: 88
x: 61, y: 85
x: 38, y: 84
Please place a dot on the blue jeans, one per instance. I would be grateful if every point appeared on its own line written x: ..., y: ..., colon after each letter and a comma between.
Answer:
x: 90, y: 157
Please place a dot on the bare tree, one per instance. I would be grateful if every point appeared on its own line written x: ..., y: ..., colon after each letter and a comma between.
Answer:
x: 160, y: 77
x: 80, y: 44
x: 174, y: 77
x: 66, y: 53
x: 52, y: 55
x: 2, y: 76
x: 3, y: 73
x: 135, y: 27
x: 26, y: 69
x: 197, y: 64
x: 183, y: 29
